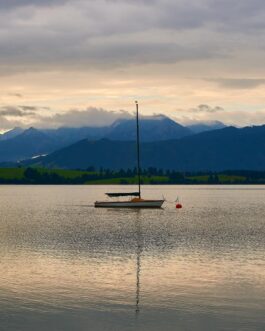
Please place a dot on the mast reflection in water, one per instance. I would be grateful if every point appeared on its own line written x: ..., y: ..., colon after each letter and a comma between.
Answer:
x: 139, y: 250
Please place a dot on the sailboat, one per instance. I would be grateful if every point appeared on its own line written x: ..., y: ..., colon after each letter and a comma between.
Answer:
x: 135, y: 200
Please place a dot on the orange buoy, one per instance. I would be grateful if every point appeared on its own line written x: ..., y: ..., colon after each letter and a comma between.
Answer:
x: 178, y: 206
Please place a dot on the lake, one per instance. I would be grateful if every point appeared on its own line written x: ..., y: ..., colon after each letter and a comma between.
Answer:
x: 68, y: 266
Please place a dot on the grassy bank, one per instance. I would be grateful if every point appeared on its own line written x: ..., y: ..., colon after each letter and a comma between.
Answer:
x: 153, y: 176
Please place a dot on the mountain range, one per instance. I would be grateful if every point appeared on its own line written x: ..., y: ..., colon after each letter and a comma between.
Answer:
x: 206, y: 126
x: 27, y: 144
x: 19, y: 144
x: 164, y: 144
x: 228, y: 148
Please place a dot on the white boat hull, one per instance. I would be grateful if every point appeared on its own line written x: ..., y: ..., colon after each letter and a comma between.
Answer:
x: 130, y: 204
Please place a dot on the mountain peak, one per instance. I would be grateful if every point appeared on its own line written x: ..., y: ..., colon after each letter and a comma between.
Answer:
x: 152, y: 128
x: 11, y: 133
x: 31, y: 130
x: 33, y: 133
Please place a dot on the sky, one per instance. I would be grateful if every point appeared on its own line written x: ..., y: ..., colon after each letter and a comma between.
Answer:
x: 85, y: 62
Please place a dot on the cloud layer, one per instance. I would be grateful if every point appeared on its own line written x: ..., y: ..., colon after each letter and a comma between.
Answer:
x: 72, y: 118
x: 171, y: 54
x: 25, y: 116
x: 115, y: 32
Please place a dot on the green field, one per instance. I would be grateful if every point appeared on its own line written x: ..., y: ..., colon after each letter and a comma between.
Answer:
x: 64, y: 176
x: 19, y: 173
x: 226, y: 179
x: 65, y: 173
x: 13, y: 173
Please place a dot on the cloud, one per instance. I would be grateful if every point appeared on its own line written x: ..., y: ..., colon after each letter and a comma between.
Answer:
x: 17, y: 95
x: 70, y: 53
x: 234, y: 117
x: 239, y: 83
x: 6, y: 124
x: 78, y: 118
x: 31, y: 108
x: 11, y: 117
x: 49, y: 34
x: 72, y: 118
x: 12, y: 111
x: 206, y: 109
x: 202, y: 113
x: 11, y: 4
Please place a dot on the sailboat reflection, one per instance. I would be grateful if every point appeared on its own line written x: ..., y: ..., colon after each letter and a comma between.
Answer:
x: 139, y: 250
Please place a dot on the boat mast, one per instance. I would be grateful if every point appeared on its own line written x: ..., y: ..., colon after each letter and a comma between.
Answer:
x: 138, y: 150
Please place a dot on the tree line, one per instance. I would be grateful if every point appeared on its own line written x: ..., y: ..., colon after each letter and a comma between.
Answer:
x: 150, y: 175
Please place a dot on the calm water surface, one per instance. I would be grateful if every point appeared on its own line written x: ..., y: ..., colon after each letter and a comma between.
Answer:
x: 68, y: 266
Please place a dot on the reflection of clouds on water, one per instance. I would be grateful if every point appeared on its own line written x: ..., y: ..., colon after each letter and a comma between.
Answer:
x: 46, y: 285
